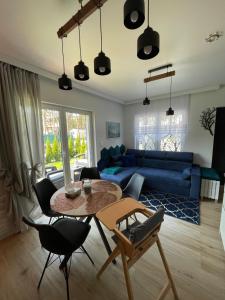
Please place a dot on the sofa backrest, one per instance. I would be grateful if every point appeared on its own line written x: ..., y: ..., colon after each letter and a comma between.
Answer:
x: 106, y: 156
x: 177, y: 161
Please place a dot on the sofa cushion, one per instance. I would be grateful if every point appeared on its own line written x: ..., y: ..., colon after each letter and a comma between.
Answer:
x: 155, y: 154
x: 136, y: 152
x: 165, y: 180
x: 164, y: 175
x: 165, y: 164
x: 179, y: 156
x: 112, y: 170
x: 102, y: 164
x: 129, y: 161
x: 186, y: 174
x: 105, y: 154
x: 121, y: 178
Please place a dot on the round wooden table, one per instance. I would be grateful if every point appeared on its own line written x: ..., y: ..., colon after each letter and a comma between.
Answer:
x: 87, y: 205
x: 103, y: 193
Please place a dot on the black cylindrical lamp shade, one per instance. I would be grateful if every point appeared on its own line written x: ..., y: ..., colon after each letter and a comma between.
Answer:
x: 146, y: 101
x: 102, y: 64
x: 65, y: 83
x: 81, y: 71
x: 134, y: 13
x: 170, y: 112
x: 148, y: 44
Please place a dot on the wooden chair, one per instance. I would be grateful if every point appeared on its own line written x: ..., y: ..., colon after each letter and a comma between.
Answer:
x: 134, y: 241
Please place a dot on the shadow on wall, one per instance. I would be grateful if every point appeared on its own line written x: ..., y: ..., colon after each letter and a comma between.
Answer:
x: 200, y: 160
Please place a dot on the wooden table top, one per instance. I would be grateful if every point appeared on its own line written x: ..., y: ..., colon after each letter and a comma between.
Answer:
x: 103, y: 193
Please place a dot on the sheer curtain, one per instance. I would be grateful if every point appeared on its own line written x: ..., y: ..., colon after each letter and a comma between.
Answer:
x: 21, y: 151
x: 156, y: 131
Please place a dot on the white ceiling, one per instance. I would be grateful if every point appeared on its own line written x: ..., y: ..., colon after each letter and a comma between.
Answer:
x: 28, y: 34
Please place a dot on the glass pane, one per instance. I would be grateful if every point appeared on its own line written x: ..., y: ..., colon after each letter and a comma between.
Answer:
x: 52, y: 144
x: 78, y: 142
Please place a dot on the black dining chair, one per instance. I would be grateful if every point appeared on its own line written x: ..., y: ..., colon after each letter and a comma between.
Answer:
x: 133, y: 190
x: 90, y: 173
x: 44, y: 191
x: 134, y: 186
x: 61, y: 238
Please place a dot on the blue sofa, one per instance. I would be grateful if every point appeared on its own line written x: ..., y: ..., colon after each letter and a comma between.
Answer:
x: 172, y: 172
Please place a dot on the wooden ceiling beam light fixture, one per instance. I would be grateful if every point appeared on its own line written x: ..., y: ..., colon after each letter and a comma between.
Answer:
x: 88, y: 9
x: 160, y: 76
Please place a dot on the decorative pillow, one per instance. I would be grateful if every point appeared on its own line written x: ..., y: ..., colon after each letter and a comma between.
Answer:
x: 129, y: 161
x: 102, y: 164
x: 186, y: 174
x: 118, y: 163
x: 116, y: 158
x: 112, y: 170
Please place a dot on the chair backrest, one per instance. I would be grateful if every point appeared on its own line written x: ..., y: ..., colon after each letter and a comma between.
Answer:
x: 44, y: 191
x: 91, y: 173
x: 50, y: 238
x: 142, y: 231
x: 134, y: 186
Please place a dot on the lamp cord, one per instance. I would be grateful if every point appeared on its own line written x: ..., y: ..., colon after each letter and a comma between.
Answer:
x: 148, y: 13
x: 100, y: 14
x: 80, y: 42
x: 171, y: 79
x: 63, y: 57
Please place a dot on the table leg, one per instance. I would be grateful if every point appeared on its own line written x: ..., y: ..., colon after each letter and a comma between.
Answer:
x: 104, y: 239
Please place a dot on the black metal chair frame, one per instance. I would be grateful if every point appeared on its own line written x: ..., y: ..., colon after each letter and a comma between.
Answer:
x: 57, y: 236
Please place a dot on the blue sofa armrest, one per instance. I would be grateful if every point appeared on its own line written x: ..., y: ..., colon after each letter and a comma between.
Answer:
x: 195, y: 182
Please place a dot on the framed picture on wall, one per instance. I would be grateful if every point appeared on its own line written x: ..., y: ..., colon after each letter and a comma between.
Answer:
x: 112, y: 130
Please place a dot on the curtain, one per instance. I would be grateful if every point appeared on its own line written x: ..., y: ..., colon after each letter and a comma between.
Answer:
x: 156, y: 131
x: 21, y: 150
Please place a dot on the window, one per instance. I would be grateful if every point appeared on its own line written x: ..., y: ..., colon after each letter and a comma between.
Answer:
x: 68, y: 142
x: 156, y: 131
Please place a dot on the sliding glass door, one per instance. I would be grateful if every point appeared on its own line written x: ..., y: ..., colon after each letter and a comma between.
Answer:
x: 68, y: 142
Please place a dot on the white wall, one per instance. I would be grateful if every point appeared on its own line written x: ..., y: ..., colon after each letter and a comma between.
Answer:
x: 103, y: 110
x: 198, y: 139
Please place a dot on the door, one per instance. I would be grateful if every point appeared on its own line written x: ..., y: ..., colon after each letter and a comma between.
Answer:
x: 68, y: 142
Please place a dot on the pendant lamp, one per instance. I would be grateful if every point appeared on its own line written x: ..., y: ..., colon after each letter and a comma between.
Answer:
x: 146, y: 101
x: 134, y: 13
x: 102, y: 64
x: 148, y: 42
x: 81, y: 71
x: 170, y: 111
x: 64, y: 82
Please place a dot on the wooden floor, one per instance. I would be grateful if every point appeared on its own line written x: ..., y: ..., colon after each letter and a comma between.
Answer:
x: 195, y: 255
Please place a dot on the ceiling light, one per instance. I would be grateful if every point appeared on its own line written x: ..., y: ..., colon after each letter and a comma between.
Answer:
x: 148, y: 42
x: 146, y: 101
x: 102, y: 64
x: 170, y: 111
x: 214, y: 36
x: 64, y: 82
x: 81, y: 71
x: 134, y: 13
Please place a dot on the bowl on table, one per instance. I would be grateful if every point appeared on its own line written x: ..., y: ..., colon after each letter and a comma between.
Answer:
x: 72, y: 192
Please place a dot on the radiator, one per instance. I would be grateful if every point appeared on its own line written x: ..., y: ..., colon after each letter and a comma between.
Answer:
x: 210, y: 189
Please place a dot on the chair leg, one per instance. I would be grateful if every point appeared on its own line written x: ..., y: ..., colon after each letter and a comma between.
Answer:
x: 43, y: 272
x: 127, y: 276
x: 167, y: 269
x: 114, y: 254
x: 85, y: 251
x: 67, y: 282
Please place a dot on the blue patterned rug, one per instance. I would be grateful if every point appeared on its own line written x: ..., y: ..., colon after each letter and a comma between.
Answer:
x: 176, y: 206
